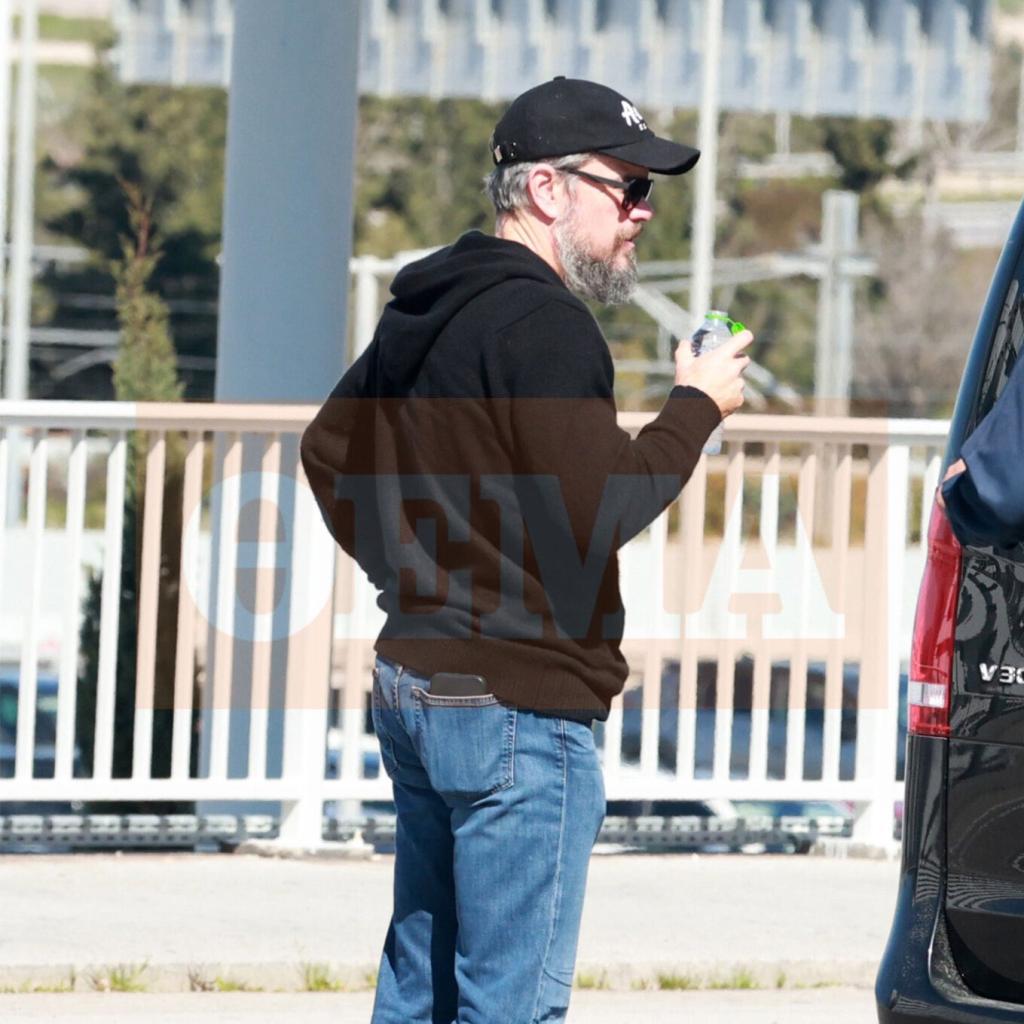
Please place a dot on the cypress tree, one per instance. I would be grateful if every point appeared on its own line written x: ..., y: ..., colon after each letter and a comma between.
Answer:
x: 145, y: 370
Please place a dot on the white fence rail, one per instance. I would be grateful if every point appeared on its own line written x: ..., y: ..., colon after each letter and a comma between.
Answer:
x: 768, y: 614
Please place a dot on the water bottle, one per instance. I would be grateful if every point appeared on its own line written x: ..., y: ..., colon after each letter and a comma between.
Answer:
x: 716, y: 329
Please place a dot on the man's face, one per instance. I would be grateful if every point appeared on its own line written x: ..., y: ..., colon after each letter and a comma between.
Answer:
x: 596, y: 240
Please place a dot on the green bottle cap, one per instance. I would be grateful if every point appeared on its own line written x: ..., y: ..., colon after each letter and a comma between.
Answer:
x: 735, y: 327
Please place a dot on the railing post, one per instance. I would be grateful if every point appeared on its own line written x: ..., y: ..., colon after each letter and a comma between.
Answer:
x: 110, y: 607
x: 366, y: 269
x: 306, y: 613
x: 308, y: 682
x: 877, y: 713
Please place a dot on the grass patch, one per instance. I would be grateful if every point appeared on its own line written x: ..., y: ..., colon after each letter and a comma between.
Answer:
x: 740, y: 978
x: 234, y: 985
x: 780, y: 979
x: 57, y: 986
x: 28, y: 988
x: 592, y: 981
x: 320, y: 978
x: 673, y: 982
x: 120, y: 978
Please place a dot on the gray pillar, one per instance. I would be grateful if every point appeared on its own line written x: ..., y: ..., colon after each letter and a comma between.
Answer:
x: 292, y: 112
x: 288, y: 200
x: 833, y: 355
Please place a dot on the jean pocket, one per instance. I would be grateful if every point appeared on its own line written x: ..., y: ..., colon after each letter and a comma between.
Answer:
x: 581, y: 747
x: 466, y: 744
x: 380, y: 713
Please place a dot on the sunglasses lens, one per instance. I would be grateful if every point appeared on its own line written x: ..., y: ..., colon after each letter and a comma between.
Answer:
x: 639, y: 189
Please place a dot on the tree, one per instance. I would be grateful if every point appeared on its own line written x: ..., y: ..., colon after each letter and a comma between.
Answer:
x: 918, y: 318
x: 144, y: 371
x: 169, y: 142
x: 863, y: 149
x: 145, y: 367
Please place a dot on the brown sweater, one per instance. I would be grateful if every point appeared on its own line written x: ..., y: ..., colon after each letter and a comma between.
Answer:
x: 471, y: 462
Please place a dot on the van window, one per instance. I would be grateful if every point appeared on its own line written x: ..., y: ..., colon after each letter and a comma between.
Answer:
x: 1003, y: 352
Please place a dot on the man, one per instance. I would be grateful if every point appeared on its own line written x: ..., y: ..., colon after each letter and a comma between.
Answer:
x: 471, y: 462
x: 983, y: 491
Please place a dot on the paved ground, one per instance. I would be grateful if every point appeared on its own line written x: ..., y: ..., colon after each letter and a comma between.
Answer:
x: 212, y: 919
x: 838, y: 1006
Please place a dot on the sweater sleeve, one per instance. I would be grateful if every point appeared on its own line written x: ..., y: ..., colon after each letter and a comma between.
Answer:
x: 578, y: 467
x: 337, y: 450
x: 985, y: 503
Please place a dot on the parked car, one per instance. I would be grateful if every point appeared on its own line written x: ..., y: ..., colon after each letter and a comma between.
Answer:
x: 802, y: 821
x: 724, y: 809
x: 743, y: 681
x: 44, y: 755
x: 956, y: 946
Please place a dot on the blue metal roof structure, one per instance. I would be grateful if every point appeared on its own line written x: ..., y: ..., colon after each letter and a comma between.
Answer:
x: 903, y: 59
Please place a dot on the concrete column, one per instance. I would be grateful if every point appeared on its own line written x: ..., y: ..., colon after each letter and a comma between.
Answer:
x: 833, y: 353
x: 288, y: 201
x: 782, y: 126
x: 282, y: 333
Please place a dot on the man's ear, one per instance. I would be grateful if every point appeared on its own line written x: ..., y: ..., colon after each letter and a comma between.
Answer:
x: 546, y: 188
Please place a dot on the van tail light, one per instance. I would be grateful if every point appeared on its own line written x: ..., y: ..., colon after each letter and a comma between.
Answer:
x: 931, y: 651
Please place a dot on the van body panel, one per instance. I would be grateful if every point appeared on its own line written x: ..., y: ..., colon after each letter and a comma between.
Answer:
x: 956, y: 948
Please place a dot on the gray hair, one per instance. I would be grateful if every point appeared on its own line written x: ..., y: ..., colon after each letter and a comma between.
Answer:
x: 506, y: 188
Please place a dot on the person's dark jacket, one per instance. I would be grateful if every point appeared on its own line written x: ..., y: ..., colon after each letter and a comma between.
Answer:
x: 471, y: 462
x: 985, y: 503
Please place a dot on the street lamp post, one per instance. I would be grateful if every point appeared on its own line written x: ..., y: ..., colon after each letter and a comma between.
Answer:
x: 703, y: 244
x: 20, y: 270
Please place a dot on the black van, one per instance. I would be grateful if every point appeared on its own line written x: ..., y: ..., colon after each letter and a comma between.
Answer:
x: 956, y: 948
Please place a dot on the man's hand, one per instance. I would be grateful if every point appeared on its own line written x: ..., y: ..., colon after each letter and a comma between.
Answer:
x: 718, y: 373
x: 954, y: 470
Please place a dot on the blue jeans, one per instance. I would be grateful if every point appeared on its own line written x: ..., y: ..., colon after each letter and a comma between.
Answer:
x: 498, y: 809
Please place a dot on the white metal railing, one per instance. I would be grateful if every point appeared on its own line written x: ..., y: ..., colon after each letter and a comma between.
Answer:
x: 773, y: 598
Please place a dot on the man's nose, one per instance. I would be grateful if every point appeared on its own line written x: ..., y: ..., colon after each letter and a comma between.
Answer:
x: 643, y: 211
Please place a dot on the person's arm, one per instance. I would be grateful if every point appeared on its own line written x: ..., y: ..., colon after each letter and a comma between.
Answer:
x: 565, y: 430
x: 954, y: 471
x: 983, y: 491
x: 338, y: 443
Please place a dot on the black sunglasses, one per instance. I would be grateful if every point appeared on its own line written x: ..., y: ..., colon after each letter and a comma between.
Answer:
x: 636, y: 189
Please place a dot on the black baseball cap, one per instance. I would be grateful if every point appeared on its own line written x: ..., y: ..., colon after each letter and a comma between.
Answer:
x: 572, y: 115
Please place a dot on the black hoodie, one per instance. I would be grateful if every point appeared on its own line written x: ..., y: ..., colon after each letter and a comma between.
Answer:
x: 470, y: 461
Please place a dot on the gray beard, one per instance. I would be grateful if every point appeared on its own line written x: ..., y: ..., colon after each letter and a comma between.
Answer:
x: 589, y: 276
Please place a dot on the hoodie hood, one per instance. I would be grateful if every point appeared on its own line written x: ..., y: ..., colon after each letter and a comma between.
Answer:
x: 431, y: 291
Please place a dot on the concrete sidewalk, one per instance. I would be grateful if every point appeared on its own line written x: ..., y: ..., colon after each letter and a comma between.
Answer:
x: 808, y: 1006
x: 175, y: 921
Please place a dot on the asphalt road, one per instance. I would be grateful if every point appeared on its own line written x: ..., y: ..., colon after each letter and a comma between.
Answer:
x: 809, y: 1006
x: 773, y: 919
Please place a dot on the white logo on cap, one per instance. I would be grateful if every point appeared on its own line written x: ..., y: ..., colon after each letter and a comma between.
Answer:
x: 632, y: 116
